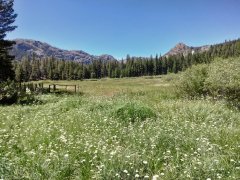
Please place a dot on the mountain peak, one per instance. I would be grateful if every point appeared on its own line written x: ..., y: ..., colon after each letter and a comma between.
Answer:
x: 26, y: 47
x: 181, y: 48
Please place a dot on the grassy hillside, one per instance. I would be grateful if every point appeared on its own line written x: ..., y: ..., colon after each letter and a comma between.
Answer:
x: 120, y: 129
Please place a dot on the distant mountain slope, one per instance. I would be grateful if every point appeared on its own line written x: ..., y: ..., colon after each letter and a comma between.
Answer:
x: 182, y: 48
x: 25, y: 47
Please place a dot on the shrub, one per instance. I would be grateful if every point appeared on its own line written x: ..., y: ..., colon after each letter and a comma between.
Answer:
x: 223, y: 80
x: 132, y: 112
x: 220, y: 80
x: 26, y: 97
x: 8, y: 93
x: 192, y: 81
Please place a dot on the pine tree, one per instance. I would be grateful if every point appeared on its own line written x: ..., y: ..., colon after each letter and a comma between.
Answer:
x: 164, y: 66
x: 159, y: 65
x: 43, y: 69
x: 7, y: 18
x: 26, y: 67
x: 86, y: 73
x: 35, y: 73
x: 19, y: 73
x: 155, y: 68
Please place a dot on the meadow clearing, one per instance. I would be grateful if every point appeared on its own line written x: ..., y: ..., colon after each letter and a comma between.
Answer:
x: 130, y: 128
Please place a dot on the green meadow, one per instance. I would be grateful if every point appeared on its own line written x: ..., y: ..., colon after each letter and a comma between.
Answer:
x: 130, y: 128
x: 72, y: 114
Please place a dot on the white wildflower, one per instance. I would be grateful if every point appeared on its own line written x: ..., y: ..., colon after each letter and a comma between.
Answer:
x: 146, y: 177
x: 137, y: 176
x: 125, y: 171
x: 28, y: 91
x: 63, y: 139
x: 155, y: 177
x: 66, y: 156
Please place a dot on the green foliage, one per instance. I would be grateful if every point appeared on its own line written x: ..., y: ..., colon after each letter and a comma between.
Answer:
x: 134, y: 112
x: 8, y: 93
x: 192, y: 81
x: 27, y: 97
x: 7, y: 18
x: 11, y: 93
x: 220, y: 80
x: 223, y: 80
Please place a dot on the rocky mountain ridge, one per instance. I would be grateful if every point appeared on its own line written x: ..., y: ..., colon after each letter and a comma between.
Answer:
x: 25, y: 47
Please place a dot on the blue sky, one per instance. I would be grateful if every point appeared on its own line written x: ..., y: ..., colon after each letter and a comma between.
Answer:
x: 121, y: 27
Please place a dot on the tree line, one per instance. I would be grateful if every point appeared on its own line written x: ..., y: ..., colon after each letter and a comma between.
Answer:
x: 32, y: 68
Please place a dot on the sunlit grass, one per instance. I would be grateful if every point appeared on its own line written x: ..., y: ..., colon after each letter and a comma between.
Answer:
x: 82, y: 137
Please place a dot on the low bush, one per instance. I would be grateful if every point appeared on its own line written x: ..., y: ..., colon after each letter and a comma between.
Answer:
x: 26, y: 97
x: 10, y: 93
x: 133, y: 112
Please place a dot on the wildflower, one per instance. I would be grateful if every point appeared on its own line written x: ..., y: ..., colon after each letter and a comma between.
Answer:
x: 63, y: 138
x: 28, y: 91
x: 137, y: 176
x: 66, y: 156
x: 32, y: 152
x: 125, y: 171
x: 155, y: 177
x: 146, y: 177
x: 145, y: 162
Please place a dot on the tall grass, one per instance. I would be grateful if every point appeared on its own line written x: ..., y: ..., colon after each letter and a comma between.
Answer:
x: 83, y: 137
